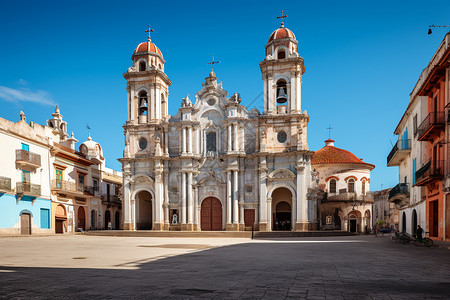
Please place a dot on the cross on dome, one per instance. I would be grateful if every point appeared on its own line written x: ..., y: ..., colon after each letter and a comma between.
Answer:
x: 213, y: 63
x: 329, y: 131
x: 149, y: 30
x: 282, y: 17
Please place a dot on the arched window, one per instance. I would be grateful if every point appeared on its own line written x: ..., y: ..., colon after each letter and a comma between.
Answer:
x: 333, y: 186
x: 142, y: 66
x: 211, y: 142
x: 281, y: 54
x: 281, y: 92
x: 143, y: 103
x: 351, y: 185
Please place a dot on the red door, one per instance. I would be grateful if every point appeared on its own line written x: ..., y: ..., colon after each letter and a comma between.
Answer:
x: 249, y: 217
x: 211, y: 215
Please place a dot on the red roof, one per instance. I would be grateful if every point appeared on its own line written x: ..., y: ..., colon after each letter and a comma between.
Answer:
x: 147, y: 47
x: 332, y: 155
x: 281, y: 33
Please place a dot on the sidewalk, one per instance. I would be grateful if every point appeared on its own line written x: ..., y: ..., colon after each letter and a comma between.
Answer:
x: 441, y: 244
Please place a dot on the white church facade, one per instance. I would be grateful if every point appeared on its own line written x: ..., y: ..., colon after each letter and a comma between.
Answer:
x: 216, y: 165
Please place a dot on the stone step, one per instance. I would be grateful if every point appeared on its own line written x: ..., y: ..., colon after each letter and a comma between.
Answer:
x: 288, y: 234
x: 186, y: 234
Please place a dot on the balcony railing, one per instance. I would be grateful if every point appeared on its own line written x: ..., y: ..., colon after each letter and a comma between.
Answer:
x: 399, y: 189
x: 111, y: 199
x: 400, y: 150
x: 71, y: 187
x: 431, y: 125
x: 429, y: 172
x: 5, y: 184
x: 26, y: 188
x: 28, y: 158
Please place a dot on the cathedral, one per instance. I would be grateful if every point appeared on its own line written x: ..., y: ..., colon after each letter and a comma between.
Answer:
x: 216, y: 165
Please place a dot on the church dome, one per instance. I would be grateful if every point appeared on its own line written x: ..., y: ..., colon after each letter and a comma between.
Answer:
x: 332, y: 155
x: 91, y: 149
x: 281, y: 33
x: 147, y: 47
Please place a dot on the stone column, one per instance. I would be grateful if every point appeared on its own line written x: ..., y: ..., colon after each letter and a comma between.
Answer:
x: 197, y: 141
x: 242, y: 146
x: 157, y: 104
x: 298, y: 93
x: 183, y: 198
x: 229, y: 138
x: 127, y: 204
x: 262, y: 195
x: 229, y: 197
x: 183, y: 140
x: 270, y: 94
x: 195, y: 199
x: 241, y: 190
x: 269, y: 214
x: 265, y: 94
x: 236, y: 146
x: 133, y: 214
x: 189, y: 139
x: 293, y: 97
x: 166, y: 142
x: 301, y: 200
x: 166, y: 199
x: 190, y: 202
x: 158, y: 198
x: 235, y: 198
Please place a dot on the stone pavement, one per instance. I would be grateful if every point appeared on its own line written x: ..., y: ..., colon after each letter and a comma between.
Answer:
x: 357, y: 267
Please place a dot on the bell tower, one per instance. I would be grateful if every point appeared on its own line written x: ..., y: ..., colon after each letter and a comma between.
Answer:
x: 147, y: 85
x: 282, y: 71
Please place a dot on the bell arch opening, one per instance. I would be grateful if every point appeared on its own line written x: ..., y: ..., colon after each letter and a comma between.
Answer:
x: 282, y: 209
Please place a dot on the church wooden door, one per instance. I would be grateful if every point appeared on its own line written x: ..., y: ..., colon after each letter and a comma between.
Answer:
x: 25, y: 223
x: 211, y: 215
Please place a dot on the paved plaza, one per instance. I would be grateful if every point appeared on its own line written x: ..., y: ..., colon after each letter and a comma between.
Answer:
x: 355, y: 267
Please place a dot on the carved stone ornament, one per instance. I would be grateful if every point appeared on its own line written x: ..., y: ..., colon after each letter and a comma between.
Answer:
x: 281, y: 175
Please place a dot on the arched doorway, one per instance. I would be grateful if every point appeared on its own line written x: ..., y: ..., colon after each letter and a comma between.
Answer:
x: 144, y: 220
x: 282, y: 209
x: 414, y: 222
x: 107, y: 219
x: 211, y: 215
x: 25, y: 223
x: 117, y: 221
x: 81, y: 219
x: 60, y: 218
x: 354, y: 221
x: 404, y: 222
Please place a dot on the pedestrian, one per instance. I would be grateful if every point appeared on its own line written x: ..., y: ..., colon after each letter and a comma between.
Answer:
x: 109, y: 225
x: 419, y: 233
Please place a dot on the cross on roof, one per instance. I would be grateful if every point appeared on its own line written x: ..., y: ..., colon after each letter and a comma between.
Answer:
x: 89, y: 129
x: 282, y: 17
x: 213, y: 63
x: 329, y: 131
x: 149, y: 30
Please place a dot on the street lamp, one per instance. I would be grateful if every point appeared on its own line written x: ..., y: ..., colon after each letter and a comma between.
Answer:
x: 435, y: 26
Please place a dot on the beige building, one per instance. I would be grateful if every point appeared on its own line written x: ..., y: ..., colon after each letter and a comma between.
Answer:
x: 345, y: 179
x: 216, y: 165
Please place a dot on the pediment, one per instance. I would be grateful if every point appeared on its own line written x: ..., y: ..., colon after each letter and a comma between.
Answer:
x: 281, y: 175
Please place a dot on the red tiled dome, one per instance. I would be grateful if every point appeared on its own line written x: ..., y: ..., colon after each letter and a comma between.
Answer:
x: 332, y: 155
x: 147, y: 47
x: 281, y: 33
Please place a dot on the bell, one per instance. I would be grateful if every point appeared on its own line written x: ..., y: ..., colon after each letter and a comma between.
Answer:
x: 282, y: 97
x: 143, y: 106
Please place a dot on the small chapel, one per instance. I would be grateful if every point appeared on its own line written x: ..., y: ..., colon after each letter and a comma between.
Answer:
x: 216, y: 165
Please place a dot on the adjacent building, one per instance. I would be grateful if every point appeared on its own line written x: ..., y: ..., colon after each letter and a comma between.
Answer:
x: 384, y: 210
x: 46, y: 186
x: 422, y: 151
x: 345, y: 180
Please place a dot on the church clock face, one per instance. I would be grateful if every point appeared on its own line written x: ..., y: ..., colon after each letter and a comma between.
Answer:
x: 142, y: 143
x: 282, y: 136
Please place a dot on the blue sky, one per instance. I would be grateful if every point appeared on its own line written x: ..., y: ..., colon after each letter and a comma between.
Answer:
x: 362, y: 60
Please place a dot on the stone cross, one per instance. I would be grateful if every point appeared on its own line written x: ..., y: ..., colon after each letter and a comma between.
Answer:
x: 282, y: 17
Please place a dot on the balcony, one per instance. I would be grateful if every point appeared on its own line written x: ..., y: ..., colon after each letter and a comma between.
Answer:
x: 433, y: 170
x: 430, y: 126
x: 27, y: 160
x: 67, y: 187
x: 28, y: 189
x: 5, y: 184
x: 111, y: 199
x: 400, y: 150
x: 399, y: 194
x: 344, y: 196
